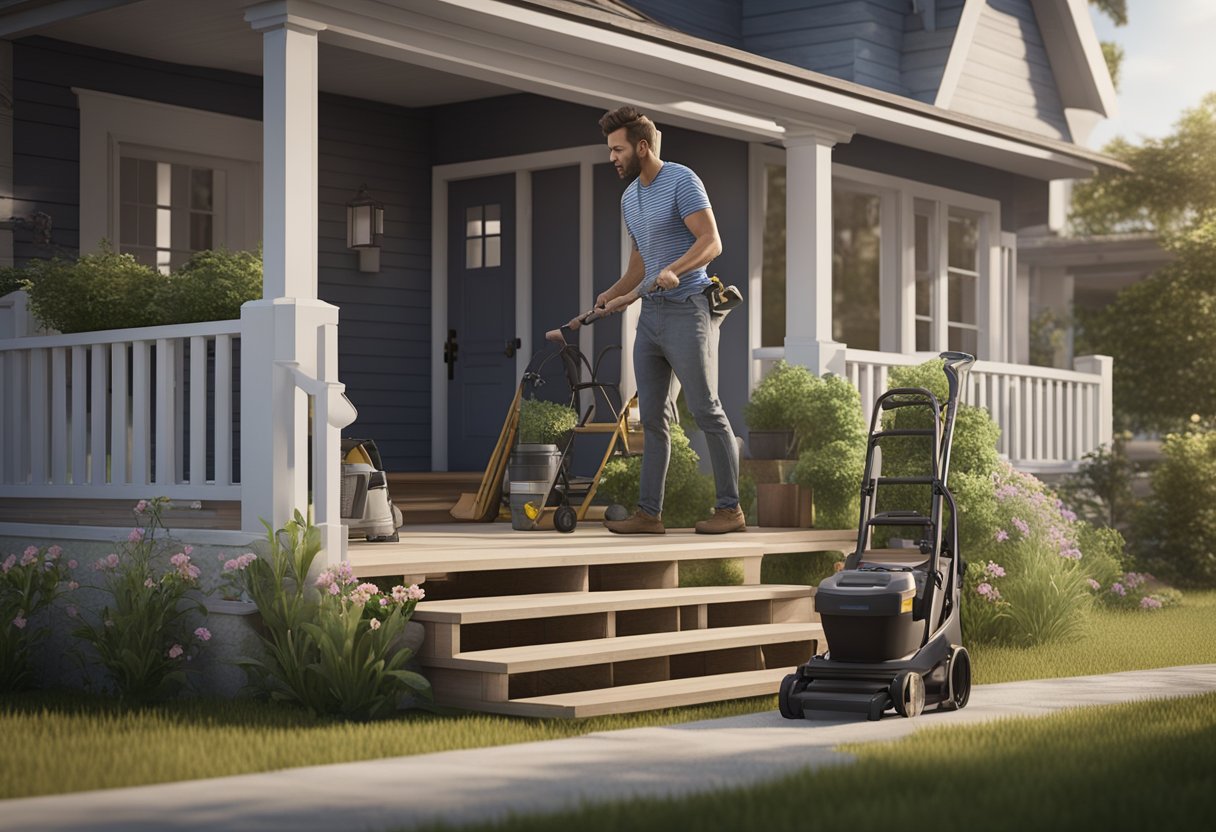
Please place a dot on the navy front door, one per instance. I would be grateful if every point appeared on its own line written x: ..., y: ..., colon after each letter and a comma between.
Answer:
x: 481, y: 332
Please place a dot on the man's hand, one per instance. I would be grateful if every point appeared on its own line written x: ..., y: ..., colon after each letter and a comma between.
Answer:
x: 603, y: 300
x: 618, y: 304
x: 668, y: 279
x: 555, y: 335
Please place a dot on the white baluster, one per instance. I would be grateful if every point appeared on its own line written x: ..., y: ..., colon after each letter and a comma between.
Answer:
x: 141, y: 433
x: 223, y: 409
x: 59, y: 416
x: 100, y: 359
x: 80, y: 418
x: 119, y: 415
x: 166, y: 401
x: 198, y: 410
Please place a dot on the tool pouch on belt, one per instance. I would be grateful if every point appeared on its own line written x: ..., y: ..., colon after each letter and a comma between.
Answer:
x: 722, y: 298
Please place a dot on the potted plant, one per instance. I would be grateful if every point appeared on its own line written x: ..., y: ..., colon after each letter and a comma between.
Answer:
x: 774, y: 412
x: 544, y: 428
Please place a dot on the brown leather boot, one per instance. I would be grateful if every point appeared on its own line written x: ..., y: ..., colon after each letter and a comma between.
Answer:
x: 637, y: 523
x: 724, y: 520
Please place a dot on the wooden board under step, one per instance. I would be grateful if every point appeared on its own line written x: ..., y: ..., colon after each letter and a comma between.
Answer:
x: 648, y: 696
x: 561, y: 655
x: 515, y: 607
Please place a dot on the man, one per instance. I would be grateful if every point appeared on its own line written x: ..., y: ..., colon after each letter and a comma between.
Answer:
x: 674, y: 236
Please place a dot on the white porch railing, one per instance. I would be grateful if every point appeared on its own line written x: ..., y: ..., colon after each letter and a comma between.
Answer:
x: 1049, y: 417
x: 120, y: 414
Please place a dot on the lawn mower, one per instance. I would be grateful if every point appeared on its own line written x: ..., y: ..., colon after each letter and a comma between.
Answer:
x: 891, y: 615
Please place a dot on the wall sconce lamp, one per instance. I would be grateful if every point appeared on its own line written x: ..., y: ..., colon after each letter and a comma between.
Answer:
x: 365, y: 229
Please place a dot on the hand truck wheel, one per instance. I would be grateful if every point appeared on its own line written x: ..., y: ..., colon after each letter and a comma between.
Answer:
x: 565, y: 519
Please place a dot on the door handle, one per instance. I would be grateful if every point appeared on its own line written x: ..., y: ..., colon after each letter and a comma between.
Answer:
x: 512, y: 346
x: 450, y: 348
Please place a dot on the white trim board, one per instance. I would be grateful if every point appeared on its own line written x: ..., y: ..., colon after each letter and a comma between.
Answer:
x: 522, y: 165
x: 109, y: 122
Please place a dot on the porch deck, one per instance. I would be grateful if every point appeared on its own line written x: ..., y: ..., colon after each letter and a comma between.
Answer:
x: 547, y: 624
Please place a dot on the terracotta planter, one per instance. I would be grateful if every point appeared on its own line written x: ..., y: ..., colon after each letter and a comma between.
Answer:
x: 784, y: 505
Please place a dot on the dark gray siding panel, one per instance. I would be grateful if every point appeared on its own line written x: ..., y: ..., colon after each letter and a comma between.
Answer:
x: 555, y: 259
x: 926, y: 52
x: 607, y: 258
x: 716, y: 20
x: 1023, y: 200
x: 510, y: 125
x: 384, y: 332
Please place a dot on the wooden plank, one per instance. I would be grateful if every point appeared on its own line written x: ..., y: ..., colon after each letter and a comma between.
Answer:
x: 631, y: 698
x: 623, y: 648
x: 97, y: 431
x: 507, y: 608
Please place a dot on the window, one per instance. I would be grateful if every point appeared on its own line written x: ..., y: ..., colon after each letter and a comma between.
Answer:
x: 962, y: 282
x: 161, y: 181
x: 772, y: 294
x: 483, y: 237
x: 168, y: 211
x: 856, y: 268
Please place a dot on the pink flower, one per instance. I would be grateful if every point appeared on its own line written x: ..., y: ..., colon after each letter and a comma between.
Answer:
x: 202, y: 634
x: 188, y: 549
x: 141, y: 506
x: 374, y: 623
x: 415, y: 593
x: 230, y: 565
x: 384, y: 602
x: 73, y: 586
x: 1021, y: 525
x: 72, y: 564
x: 19, y: 622
x: 9, y: 563
x: 1001, y: 535
x: 400, y: 594
x: 1094, y: 585
x: 1148, y: 602
x: 179, y: 560
x: 112, y: 560
x: 175, y: 651
x: 325, y: 579
x: 29, y: 556
x: 149, y: 583
x: 71, y: 610
x: 363, y: 593
x: 334, y: 589
x: 54, y: 552
x: 994, y: 570
x: 1118, y: 589
x: 244, y: 560
x: 984, y: 589
x: 136, y: 536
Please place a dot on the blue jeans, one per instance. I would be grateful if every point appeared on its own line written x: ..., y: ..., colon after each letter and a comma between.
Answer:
x: 681, y: 338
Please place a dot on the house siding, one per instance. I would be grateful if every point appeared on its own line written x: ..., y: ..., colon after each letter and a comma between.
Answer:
x: 857, y: 40
x: 925, y: 52
x: 1007, y: 77
x: 384, y: 337
x: 716, y: 20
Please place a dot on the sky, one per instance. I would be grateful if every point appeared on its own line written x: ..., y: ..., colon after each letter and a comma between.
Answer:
x: 1169, y: 62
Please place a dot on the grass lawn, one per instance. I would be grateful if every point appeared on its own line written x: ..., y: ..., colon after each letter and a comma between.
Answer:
x: 1139, y: 765
x: 53, y: 741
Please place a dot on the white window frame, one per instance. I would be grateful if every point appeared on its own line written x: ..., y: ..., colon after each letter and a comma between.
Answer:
x: 897, y: 279
x: 111, y: 123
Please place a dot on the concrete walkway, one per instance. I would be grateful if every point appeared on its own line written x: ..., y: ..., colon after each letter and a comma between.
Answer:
x: 482, y: 784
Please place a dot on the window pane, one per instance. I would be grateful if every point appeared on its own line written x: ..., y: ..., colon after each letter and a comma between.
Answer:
x: 164, y: 180
x: 145, y: 193
x: 966, y: 340
x: 962, y: 299
x: 472, y: 219
x: 924, y: 294
x: 200, y: 189
x: 128, y: 225
x: 924, y: 339
x: 164, y: 220
x: 772, y: 280
x: 964, y: 238
x: 926, y: 271
x: 472, y: 252
x: 147, y: 226
x: 493, y: 220
x: 200, y: 232
x: 922, y: 243
x: 493, y: 251
x: 128, y: 179
x: 856, y: 250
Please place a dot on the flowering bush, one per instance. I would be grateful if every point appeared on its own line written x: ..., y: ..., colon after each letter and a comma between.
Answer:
x: 334, y: 644
x: 1135, y: 591
x: 29, y: 584
x: 143, y: 638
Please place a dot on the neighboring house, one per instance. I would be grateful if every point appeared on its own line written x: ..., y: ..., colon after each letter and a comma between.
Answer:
x: 870, y: 164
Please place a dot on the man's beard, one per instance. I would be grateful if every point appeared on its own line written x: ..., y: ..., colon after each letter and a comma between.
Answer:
x: 631, y: 167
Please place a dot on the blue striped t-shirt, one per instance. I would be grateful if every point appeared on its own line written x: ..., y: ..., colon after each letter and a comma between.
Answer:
x: 654, y: 215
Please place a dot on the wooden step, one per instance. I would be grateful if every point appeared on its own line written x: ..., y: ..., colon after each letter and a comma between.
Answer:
x: 539, y: 657
x: 514, y: 607
x: 671, y: 693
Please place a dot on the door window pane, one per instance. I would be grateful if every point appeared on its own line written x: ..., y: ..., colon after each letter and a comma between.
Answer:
x: 772, y: 276
x: 856, y: 261
x: 483, y: 237
x: 493, y: 251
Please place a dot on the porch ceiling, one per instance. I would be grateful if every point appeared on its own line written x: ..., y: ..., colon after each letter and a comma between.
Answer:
x: 214, y: 34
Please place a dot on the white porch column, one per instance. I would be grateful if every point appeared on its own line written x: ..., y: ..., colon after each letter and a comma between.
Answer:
x: 808, y: 249
x: 287, y: 327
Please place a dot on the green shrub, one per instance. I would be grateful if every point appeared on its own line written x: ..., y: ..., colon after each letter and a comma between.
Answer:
x: 689, y: 494
x: 833, y: 473
x: 1101, y: 489
x: 11, y: 279
x: 777, y: 402
x: 108, y: 290
x: 545, y: 423
x: 1172, y: 535
x: 211, y: 286
x: 819, y: 410
x: 99, y: 291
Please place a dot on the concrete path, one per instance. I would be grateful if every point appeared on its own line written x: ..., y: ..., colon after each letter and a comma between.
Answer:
x: 482, y: 784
